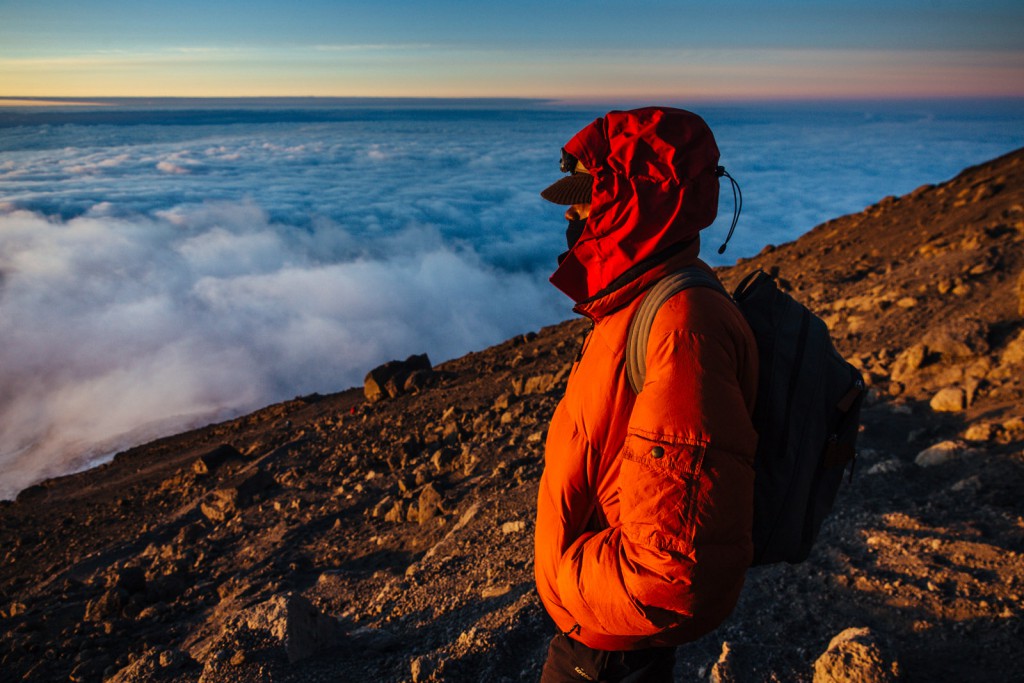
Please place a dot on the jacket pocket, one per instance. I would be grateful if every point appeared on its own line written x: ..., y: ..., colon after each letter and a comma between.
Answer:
x: 658, y: 489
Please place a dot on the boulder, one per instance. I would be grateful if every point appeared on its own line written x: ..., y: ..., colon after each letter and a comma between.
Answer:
x: 291, y: 620
x: 391, y: 378
x: 208, y: 462
x: 418, y: 380
x: 856, y: 656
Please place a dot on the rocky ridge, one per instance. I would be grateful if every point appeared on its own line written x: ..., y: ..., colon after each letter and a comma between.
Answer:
x: 335, y: 538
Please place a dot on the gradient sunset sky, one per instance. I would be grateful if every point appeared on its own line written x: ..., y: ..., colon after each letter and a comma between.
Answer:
x: 594, y: 50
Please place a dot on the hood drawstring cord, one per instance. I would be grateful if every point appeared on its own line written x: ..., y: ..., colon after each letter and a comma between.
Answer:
x: 737, y: 204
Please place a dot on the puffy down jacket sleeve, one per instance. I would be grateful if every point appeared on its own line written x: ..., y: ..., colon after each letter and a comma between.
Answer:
x: 671, y: 567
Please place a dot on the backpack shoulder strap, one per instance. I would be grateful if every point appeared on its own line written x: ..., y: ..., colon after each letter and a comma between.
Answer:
x: 640, y: 327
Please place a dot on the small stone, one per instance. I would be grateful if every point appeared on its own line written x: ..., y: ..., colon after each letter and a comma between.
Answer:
x: 980, y: 431
x: 108, y: 605
x: 970, y: 484
x: 374, y: 639
x: 730, y: 667
x: 495, y: 591
x: 901, y: 409
x: 949, y: 400
x: 1020, y: 294
x: 938, y: 454
x: 382, y: 507
x: 855, y: 656
x: 513, y: 527
x: 1014, y: 428
x: 442, y: 459
x: 1013, y: 354
x: 238, y: 658
x: 429, y: 502
x: 855, y: 324
x: 886, y: 466
x: 907, y: 302
x: 420, y: 668
x: 220, y: 505
x: 539, y: 384
x: 395, y: 514
x: 171, y: 659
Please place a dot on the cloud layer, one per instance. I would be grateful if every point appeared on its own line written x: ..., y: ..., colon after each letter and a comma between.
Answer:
x: 117, y: 329
x: 155, y: 276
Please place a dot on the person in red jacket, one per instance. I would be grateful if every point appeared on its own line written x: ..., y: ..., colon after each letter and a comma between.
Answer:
x: 643, y: 532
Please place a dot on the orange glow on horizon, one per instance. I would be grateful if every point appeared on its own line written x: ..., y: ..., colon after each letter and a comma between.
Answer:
x: 707, y: 75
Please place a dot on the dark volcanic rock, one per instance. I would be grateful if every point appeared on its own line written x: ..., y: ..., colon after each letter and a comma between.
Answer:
x: 107, y: 606
x: 209, y: 462
x: 220, y: 505
x: 396, y: 377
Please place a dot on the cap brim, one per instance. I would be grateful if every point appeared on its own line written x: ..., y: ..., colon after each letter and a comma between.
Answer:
x: 572, y: 189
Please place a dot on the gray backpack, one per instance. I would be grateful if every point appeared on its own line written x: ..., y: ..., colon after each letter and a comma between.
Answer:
x: 807, y: 414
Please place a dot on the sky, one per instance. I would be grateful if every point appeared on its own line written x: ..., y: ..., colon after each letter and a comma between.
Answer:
x: 566, y: 50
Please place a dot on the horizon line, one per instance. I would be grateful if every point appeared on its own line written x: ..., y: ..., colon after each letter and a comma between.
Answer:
x: 107, y: 100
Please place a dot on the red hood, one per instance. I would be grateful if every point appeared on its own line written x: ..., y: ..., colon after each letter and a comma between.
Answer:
x: 655, y: 185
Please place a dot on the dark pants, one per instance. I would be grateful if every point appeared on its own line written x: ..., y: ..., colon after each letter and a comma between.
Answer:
x: 570, y: 661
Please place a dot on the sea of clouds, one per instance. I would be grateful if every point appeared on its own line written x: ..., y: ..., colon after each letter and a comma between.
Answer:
x: 160, y: 274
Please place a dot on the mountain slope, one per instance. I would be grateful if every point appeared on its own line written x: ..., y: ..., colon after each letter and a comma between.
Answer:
x: 329, y: 538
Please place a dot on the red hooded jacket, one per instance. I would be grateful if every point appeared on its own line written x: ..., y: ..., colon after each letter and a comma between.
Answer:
x: 645, y: 504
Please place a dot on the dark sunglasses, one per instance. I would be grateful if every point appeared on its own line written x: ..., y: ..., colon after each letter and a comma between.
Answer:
x: 569, y: 162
